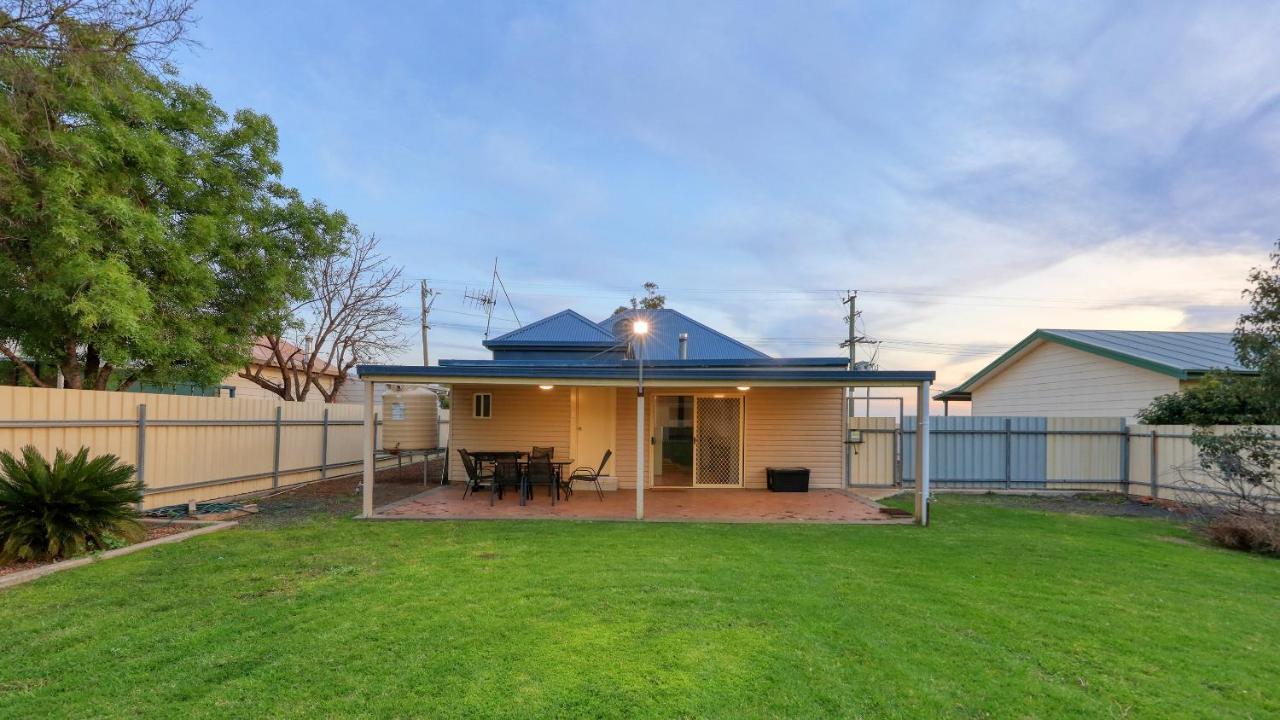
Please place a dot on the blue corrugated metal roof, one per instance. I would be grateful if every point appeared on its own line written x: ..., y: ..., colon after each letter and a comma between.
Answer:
x: 564, y: 329
x: 663, y: 340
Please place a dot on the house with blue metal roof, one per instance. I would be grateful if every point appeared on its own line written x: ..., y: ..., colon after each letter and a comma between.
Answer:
x: 1093, y: 373
x: 669, y: 401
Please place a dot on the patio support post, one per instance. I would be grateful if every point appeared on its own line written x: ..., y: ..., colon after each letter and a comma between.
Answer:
x: 641, y: 447
x: 367, y: 485
x: 847, y: 459
x: 922, y: 455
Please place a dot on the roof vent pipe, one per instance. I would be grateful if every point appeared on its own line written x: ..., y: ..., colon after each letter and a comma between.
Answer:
x: 684, y: 346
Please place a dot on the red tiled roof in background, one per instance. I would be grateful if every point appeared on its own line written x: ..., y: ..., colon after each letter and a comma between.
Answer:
x: 262, y: 355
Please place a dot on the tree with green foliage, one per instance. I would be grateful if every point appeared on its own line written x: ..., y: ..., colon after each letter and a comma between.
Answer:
x: 1220, y: 398
x: 145, y: 234
x: 1243, y: 462
x: 651, y: 300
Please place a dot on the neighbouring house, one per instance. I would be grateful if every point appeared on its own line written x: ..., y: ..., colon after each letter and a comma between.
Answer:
x: 713, y: 413
x: 1093, y: 373
x: 263, y: 363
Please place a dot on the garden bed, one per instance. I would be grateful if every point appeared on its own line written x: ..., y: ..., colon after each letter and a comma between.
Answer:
x: 158, y: 532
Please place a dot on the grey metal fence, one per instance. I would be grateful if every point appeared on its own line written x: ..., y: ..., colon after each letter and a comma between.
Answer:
x: 1020, y: 453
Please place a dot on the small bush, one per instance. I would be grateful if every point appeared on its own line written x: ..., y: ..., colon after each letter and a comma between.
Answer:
x: 1251, y: 532
x: 66, y: 508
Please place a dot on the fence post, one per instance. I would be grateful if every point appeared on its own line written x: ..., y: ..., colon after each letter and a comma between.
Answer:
x: 324, y: 444
x: 140, y: 467
x: 1155, y: 460
x: 897, y: 456
x: 1125, y: 439
x: 1008, y: 453
x: 275, y: 459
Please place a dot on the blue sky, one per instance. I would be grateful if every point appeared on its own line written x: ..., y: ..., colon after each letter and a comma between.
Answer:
x: 978, y: 170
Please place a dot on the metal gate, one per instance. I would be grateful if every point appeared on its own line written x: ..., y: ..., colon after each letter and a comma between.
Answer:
x: 717, y: 442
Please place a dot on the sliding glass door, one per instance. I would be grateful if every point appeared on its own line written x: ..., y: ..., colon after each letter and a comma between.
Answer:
x: 697, y: 441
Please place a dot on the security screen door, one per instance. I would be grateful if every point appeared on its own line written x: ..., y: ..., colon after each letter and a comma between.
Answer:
x: 717, y: 442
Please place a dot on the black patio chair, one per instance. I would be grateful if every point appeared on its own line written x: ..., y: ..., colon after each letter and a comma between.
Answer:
x: 507, y: 474
x: 586, y: 474
x: 477, y: 479
x: 545, y: 452
x: 541, y: 473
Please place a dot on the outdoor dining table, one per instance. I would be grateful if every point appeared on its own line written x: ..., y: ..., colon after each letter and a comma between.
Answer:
x: 558, y: 464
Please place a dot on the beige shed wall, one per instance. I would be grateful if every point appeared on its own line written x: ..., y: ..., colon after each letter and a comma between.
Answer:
x: 523, y: 416
x: 1058, y: 381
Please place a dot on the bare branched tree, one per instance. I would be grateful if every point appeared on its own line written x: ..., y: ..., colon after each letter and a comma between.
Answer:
x: 354, y: 316
x: 145, y: 29
x: 1235, y: 470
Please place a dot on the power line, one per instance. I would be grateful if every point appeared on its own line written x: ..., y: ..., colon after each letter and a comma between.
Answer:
x: 807, y: 294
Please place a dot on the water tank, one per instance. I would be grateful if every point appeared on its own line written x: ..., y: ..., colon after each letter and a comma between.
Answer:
x: 409, y: 419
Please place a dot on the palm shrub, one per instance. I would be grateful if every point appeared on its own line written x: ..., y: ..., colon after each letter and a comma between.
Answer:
x: 71, y: 506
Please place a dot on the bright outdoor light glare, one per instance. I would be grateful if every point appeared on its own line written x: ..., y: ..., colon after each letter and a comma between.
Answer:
x: 545, y: 387
x: 640, y: 327
x: 744, y: 388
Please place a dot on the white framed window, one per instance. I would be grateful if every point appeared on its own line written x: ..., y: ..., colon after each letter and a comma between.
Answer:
x: 482, y: 405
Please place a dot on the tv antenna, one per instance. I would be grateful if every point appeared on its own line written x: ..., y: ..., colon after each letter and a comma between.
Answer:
x: 485, y: 301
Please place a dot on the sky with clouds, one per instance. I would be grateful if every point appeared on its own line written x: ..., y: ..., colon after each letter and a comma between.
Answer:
x: 975, y: 170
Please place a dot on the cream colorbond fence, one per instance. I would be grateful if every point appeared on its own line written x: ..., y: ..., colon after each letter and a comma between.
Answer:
x: 1163, y: 461
x: 874, y: 459
x: 189, y: 448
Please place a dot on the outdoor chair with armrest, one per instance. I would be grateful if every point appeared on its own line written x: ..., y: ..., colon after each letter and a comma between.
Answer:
x: 586, y: 474
x: 477, y: 479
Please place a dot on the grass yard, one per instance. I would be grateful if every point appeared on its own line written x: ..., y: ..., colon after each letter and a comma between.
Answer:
x: 994, y: 612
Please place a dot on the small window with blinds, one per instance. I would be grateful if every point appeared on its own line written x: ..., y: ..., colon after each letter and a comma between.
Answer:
x: 482, y: 405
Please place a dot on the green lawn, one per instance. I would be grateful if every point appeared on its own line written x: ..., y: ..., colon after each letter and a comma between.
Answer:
x: 993, y: 612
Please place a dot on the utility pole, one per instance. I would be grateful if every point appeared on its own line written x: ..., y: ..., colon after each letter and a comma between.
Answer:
x: 851, y: 299
x: 428, y: 298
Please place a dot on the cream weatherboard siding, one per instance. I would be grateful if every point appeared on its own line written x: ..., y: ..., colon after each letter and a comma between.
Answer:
x: 790, y: 427
x: 784, y: 427
x: 1054, y: 380
x: 522, y: 416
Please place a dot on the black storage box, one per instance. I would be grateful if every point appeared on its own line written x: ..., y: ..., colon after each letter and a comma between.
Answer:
x: 788, y: 479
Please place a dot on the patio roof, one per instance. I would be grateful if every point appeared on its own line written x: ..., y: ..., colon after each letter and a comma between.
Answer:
x: 623, y: 374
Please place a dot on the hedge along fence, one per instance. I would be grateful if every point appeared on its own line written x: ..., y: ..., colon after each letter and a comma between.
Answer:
x: 1038, y: 453
x: 190, y: 448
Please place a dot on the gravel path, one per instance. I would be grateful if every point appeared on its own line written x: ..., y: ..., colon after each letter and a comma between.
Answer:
x: 340, y: 496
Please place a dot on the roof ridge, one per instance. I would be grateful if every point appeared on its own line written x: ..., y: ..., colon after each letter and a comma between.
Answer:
x: 567, y: 312
x: 692, y: 321
x: 1130, y: 332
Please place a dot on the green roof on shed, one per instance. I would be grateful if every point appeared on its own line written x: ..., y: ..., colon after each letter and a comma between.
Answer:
x: 1182, y: 355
